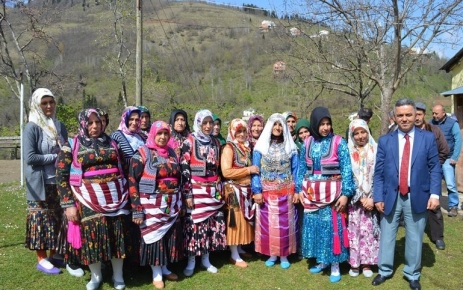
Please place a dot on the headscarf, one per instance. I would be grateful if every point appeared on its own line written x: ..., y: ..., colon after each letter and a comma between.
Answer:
x: 83, y: 136
x: 198, y: 133
x: 250, y: 121
x: 219, y: 136
x: 315, y: 118
x: 124, y: 124
x: 179, y: 136
x: 37, y: 116
x: 135, y: 139
x: 150, y: 143
x: 236, y: 124
x: 144, y: 109
x: 288, y: 114
x: 301, y: 123
x: 363, y: 162
x: 263, y: 143
x: 105, y: 114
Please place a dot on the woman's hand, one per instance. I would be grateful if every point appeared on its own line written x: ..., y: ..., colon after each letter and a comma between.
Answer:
x: 137, y: 221
x: 71, y: 214
x: 298, y: 197
x: 189, y: 203
x: 258, y: 198
x: 254, y: 169
x: 341, y: 204
x: 368, y: 204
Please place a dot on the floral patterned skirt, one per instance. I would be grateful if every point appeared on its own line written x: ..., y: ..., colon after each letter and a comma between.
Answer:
x: 169, y: 249
x: 103, y: 237
x: 43, y: 221
x: 206, y: 236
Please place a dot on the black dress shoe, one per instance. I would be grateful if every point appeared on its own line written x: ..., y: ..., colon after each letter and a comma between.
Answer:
x: 378, y: 280
x: 440, y: 245
x: 414, y: 284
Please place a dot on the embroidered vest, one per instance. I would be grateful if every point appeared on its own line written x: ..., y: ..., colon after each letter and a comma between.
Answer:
x: 76, y: 173
x: 240, y: 159
x: 147, y: 182
x: 329, y: 163
x: 198, y: 160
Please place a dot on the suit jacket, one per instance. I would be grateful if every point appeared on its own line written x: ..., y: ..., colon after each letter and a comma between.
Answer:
x: 425, y: 171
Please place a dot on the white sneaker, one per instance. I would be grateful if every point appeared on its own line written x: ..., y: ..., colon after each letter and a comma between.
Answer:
x: 78, y: 272
x: 354, y: 273
x: 368, y: 273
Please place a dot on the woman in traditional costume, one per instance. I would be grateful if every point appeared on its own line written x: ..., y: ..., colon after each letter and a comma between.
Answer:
x: 255, y: 127
x: 237, y: 169
x: 325, y: 182
x: 179, y: 129
x: 276, y: 157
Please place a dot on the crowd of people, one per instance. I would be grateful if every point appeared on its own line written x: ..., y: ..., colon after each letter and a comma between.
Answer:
x: 154, y: 193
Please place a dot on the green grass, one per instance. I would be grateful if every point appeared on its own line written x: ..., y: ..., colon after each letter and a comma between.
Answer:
x: 441, y: 269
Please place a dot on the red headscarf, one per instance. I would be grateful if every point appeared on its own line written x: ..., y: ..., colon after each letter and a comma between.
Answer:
x: 150, y: 143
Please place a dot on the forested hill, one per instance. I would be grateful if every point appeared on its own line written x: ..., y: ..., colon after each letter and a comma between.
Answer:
x: 195, y: 55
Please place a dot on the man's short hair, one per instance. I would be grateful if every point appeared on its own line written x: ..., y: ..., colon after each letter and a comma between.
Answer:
x: 365, y: 114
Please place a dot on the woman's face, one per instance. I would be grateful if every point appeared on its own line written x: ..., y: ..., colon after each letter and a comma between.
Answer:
x: 179, y: 123
x: 240, y: 134
x: 291, y: 122
x: 325, y: 127
x: 144, y: 121
x: 256, y: 129
x: 303, y: 133
x: 104, y: 122
x: 161, y: 138
x: 134, y: 122
x: 277, y: 129
x: 206, y: 126
x: 48, y: 106
x: 360, y: 137
x: 216, y: 129
x: 94, y: 126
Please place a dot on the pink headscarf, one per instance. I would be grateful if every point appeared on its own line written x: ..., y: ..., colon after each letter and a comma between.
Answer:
x: 150, y: 143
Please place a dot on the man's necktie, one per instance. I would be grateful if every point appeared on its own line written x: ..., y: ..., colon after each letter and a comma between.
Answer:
x: 404, y: 165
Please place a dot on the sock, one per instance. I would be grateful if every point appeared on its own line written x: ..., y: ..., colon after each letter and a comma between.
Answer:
x: 41, y: 254
x: 165, y: 271
x: 284, y: 259
x: 205, y: 260
x: 234, y: 253
x: 335, y: 269
x: 157, y: 273
x: 272, y: 258
x: 240, y: 250
x: 95, y: 270
x: 117, y: 269
x: 46, y: 264
x: 191, y: 263
x: 322, y: 266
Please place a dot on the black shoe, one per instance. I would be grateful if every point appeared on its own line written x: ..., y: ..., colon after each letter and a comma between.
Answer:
x: 378, y: 280
x: 414, y: 284
x: 440, y: 244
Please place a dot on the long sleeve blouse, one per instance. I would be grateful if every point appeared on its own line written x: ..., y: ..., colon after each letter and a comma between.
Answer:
x: 239, y: 173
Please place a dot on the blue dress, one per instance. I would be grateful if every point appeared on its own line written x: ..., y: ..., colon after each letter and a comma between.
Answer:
x: 317, y: 226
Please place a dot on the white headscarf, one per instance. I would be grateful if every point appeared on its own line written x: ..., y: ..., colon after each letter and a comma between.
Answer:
x: 263, y: 143
x: 363, y: 162
x: 37, y: 116
x: 198, y: 121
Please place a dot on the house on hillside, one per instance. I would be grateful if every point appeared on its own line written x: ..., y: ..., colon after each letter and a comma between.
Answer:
x: 455, y: 66
x: 248, y: 113
x: 321, y: 33
x: 279, y: 67
x: 295, y: 31
x: 266, y: 25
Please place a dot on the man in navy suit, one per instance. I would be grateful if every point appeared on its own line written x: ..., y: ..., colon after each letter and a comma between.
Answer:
x: 407, y: 180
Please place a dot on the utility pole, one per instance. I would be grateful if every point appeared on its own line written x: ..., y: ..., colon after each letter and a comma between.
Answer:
x: 139, y: 54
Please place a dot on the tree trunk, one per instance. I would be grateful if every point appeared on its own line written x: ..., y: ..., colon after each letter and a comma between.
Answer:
x: 386, y: 96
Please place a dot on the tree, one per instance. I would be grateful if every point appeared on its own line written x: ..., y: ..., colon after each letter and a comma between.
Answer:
x: 22, y: 35
x: 372, y: 44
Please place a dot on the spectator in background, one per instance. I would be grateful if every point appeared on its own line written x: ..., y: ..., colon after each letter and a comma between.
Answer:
x: 291, y: 120
x: 364, y: 114
x: 145, y: 121
x: 392, y: 124
x: 179, y: 128
x: 255, y: 127
x: 436, y: 221
x: 216, y: 129
x: 302, y: 132
x: 451, y: 131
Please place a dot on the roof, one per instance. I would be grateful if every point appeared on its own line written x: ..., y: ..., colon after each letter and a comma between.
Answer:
x: 457, y: 91
x: 451, y: 62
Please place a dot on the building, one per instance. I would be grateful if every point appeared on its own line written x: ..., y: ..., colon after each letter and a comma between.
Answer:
x: 279, y: 67
x: 455, y: 67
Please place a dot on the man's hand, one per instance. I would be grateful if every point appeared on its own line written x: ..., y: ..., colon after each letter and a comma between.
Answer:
x: 433, y: 203
x: 379, y: 206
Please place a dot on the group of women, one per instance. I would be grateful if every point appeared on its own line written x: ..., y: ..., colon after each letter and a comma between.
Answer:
x: 161, y: 193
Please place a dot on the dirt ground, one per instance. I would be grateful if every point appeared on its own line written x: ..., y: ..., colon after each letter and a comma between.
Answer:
x: 10, y: 170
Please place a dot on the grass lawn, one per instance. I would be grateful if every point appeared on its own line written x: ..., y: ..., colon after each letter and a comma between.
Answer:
x: 441, y: 269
